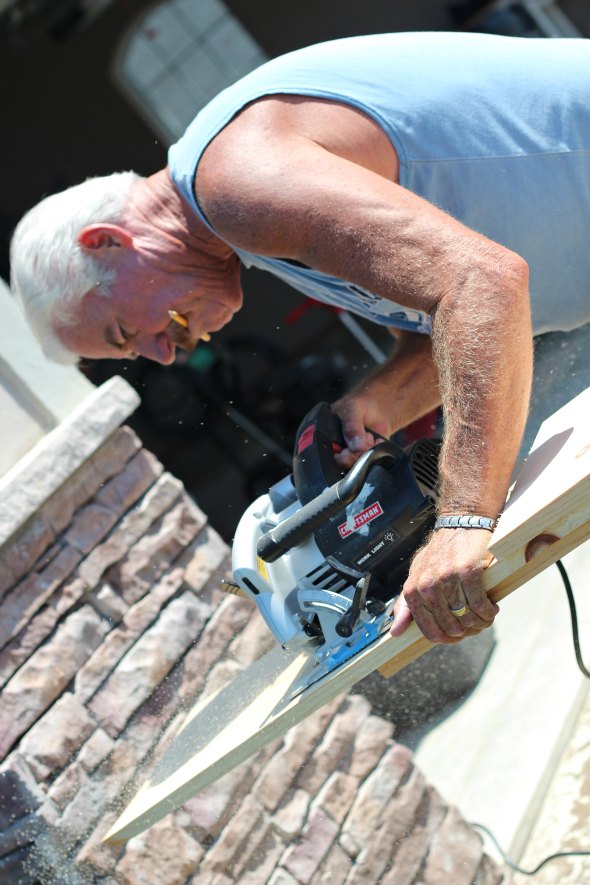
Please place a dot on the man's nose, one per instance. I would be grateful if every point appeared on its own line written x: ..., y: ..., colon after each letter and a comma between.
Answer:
x: 155, y: 347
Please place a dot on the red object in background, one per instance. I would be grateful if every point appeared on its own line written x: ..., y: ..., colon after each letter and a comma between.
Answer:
x: 309, y: 304
x: 424, y: 428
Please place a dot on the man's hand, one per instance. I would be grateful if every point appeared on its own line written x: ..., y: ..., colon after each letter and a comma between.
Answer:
x: 396, y: 393
x: 447, y: 574
x: 358, y: 412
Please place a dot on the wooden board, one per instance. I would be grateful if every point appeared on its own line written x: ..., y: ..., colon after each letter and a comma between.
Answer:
x: 548, y: 514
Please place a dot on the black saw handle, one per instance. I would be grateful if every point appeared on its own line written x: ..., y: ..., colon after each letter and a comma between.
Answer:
x: 312, y: 515
x: 318, y: 439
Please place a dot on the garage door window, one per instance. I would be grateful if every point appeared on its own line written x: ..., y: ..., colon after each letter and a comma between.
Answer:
x: 178, y: 56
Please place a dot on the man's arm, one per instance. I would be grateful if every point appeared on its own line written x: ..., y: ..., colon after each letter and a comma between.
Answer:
x: 392, y: 396
x: 275, y: 192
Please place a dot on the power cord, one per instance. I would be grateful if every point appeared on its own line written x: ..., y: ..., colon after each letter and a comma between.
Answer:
x: 584, y: 670
x: 515, y: 867
x: 574, y: 618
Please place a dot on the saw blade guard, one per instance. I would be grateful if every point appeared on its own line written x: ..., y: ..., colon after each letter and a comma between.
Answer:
x: 273, y: 586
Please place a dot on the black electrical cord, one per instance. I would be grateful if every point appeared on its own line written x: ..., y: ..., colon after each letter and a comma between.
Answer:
x: 574, y: 618
x: 515, y: 867
x: 586, y: 673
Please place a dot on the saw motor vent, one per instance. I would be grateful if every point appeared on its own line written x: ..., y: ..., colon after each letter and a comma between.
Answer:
x: 424, y: 460
x: 325, y: 577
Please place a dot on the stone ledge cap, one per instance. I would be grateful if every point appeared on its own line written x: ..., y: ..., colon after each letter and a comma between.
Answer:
x: 44, y: 469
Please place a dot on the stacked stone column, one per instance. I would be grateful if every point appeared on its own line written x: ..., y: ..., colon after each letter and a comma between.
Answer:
x: 112, y: 624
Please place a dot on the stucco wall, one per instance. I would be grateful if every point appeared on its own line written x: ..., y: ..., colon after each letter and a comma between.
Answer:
x: 35, y: 395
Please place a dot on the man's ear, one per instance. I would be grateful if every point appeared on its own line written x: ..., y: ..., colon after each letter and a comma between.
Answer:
x: 104, y: 236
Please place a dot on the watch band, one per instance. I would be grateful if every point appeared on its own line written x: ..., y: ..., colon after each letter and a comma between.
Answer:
x: 465, y: 522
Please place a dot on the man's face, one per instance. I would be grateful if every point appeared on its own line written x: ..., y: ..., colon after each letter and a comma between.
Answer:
x: 134, y: 319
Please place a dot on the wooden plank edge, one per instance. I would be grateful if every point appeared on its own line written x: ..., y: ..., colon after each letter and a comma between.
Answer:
x: 137, y: 817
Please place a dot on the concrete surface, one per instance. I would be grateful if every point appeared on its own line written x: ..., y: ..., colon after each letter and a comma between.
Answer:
x: 562, y: 825
x: 507, y: 752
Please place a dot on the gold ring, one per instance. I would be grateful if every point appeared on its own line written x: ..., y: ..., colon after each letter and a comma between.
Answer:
x: 459, y: 612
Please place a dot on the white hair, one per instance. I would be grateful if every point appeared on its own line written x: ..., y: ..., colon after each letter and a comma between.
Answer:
x: 49, y: 271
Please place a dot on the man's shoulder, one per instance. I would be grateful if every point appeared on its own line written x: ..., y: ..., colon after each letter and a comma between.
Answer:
x: 239, y: 171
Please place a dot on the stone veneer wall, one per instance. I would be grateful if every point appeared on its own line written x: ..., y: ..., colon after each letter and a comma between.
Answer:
x: 111, y: 623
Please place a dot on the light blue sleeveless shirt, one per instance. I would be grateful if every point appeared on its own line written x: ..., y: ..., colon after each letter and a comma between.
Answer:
x: 493, y: 130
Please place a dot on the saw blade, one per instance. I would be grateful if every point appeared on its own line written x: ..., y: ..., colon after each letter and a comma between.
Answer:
x: 322, y: 665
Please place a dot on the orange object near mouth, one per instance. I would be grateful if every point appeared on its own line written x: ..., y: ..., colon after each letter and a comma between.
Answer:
x: 182, y: 321
x: 178, y: 318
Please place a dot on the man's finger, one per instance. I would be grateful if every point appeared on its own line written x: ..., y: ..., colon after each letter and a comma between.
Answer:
x: 356, y: 437
x: 477, y: 598
x: 402, y: 618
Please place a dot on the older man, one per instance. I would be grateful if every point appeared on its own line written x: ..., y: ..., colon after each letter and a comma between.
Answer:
x: 411, y: 178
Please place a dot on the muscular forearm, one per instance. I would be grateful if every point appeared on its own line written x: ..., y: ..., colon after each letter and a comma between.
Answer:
x: 483, y: 350
x: 406, y: 386
x: 398, y: 392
